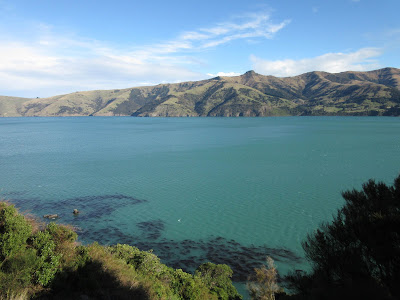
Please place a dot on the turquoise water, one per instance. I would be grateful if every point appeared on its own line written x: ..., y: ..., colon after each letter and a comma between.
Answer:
x: 229, y: 190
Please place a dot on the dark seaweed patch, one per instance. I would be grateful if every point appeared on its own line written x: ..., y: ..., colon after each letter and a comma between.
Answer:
x: 13, y: 194
x: 151, y: 229
x: 30, y: 204
x: 107, y: 236
x: 99, y: 206
x: 189, y: 254
x: 91, y: 207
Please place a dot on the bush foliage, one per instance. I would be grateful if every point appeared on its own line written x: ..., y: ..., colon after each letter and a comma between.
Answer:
x: 357, y: 255
x: 49, y: 264
x: 14, y: 231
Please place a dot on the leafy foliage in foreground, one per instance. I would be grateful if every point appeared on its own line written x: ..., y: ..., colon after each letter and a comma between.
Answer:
x: 49, y: 264
x: 217, y: 278
x: 357, y: 255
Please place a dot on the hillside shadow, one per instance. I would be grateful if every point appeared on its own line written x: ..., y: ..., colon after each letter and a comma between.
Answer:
x: 91, y: 282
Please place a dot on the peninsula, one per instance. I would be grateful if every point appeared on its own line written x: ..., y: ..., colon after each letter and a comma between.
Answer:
x: 372, y: 93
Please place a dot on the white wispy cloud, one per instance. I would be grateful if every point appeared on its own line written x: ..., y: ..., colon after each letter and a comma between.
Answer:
x: 40, y: 67
x: 223, y: 74
x: 251, y: 26
x: 51, y: 62
x: 247, y: 26
x: 361, y: 60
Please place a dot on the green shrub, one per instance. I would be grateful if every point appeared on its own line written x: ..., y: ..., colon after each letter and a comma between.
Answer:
x: 61, y: 233
x: 16, y: 273
x: 81, y: 256
x: 166, y: 282
x: 188, y: 286
x: 14, y: 231
x: 48, y: 260
x: 218, y: 279
x: 142, y: 261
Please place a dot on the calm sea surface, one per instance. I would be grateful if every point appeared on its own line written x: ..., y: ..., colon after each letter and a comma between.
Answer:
x: 229, y: 190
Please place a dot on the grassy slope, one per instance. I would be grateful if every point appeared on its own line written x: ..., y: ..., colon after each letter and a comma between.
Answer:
x: 251, y: 94
x: 10, y: 106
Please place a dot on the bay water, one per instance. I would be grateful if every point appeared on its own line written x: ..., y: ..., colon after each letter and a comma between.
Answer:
x: 226, y: 190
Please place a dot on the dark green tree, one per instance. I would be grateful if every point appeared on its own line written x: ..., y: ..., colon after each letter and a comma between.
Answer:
x: 358, y: 253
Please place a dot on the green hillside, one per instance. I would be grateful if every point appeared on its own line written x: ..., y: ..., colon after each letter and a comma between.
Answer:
x: 251, y: 94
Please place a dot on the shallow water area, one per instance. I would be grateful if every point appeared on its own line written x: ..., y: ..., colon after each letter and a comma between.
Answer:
x: 227, y: 190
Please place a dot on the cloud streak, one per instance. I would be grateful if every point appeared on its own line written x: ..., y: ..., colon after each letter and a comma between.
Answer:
x: 361, y: 60
x: 223, y: 74
x: 40, y: 68
x: 249, y: 26
x: 254, y: 26
x: 51, y: 62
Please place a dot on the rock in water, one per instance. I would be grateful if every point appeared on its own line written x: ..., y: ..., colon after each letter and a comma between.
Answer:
x: 51, y: 216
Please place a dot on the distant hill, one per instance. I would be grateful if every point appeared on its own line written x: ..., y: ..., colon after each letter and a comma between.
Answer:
x: 251, y: 94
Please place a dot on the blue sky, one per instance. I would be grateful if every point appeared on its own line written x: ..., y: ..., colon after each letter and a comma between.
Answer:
x: 55, y: 47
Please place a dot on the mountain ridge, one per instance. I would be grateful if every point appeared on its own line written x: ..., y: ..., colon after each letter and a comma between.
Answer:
x: 350, y: 93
